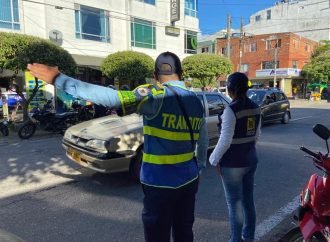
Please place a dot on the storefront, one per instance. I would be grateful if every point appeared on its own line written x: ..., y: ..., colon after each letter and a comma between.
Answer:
x: 289, y: 80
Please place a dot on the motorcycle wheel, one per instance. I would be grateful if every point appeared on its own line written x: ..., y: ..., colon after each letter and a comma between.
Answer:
x: 27, y: 130
x: 4, y: 130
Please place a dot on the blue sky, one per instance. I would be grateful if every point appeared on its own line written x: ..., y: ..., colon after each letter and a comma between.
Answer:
x: 213, y: 13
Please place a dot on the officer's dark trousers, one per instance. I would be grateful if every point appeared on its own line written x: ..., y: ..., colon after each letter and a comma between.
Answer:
x: 166, y: 209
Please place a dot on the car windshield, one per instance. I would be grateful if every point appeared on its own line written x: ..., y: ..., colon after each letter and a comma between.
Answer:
x: 256, y: 95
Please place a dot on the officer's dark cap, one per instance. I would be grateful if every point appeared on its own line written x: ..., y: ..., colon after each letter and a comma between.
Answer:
x: 168, y: 63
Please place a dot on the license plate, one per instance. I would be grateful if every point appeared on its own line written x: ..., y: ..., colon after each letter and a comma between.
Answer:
x: 74, y: 154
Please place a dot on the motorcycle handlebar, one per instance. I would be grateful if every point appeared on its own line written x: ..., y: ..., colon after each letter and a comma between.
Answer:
x: 315, y: 155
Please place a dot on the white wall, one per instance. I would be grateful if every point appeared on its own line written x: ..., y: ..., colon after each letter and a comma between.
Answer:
x: 297, y: 17
x: 38, y: 18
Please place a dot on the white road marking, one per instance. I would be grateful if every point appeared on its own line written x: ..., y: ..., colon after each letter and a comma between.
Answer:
x: 268, y: 224
x: 295, y: 119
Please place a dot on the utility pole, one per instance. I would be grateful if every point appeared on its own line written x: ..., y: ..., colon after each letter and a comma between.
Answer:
x: 275, y: 60
x: 240, y: 46
x: 228, y: 35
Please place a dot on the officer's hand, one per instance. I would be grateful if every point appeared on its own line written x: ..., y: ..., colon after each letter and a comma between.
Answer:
x: 43, y: 72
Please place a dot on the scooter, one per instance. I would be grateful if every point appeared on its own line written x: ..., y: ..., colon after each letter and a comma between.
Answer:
x: 313, y: 214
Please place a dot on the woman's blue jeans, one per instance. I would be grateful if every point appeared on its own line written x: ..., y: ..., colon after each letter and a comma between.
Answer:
x: 238, y: 184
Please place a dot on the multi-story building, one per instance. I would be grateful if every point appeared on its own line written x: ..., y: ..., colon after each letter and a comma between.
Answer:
x: 308, y: 18
x: 207, y: 44
x: 270, y: 59
x: 91, y: 29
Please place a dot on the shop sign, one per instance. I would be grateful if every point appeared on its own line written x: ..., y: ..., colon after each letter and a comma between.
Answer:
x: 175, y: 10
x: 39, y: 98
x: 170, y: 30
x: 279, y: 72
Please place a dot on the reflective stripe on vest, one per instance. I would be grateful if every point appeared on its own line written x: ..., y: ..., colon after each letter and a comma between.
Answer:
x: 167, y: 159
x: 170, y: 135
x: 247, y: 112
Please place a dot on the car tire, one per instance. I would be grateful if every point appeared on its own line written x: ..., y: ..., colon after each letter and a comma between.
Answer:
x: 135, y: 165
x: 286, y: 118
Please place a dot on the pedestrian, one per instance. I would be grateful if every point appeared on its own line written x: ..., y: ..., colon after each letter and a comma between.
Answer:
x: 236, y: 159
x: 173, y: 125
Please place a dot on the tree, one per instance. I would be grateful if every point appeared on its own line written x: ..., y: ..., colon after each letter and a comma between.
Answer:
x: 205, y: 69
x: 318, y: 70
x: 324, y: 47
x: 17, y: 50
x: 130, y: 66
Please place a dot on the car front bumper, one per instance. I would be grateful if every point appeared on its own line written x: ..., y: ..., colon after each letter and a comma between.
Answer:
x: 104, y: 163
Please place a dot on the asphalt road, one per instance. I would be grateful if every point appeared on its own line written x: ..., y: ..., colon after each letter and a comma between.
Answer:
x: 46, y: 197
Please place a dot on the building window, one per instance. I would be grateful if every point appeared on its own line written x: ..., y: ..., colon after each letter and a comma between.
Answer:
x: 92, y: 23
x: 190, y: 42
x: 258, y: 18
x: 269, y: 14
x: 205, y: 49
x: 9, y: 16
x: 308, y: 48
x: 143, y: 34
x: 253, y: 47
x: 152, y: 2
x: 294, y: 64
x: 269, y: 65
x: 295, y: 43
x: 250, y: 47
x: 272, y: 44
x: 244, y: 68
x: 190, y: 8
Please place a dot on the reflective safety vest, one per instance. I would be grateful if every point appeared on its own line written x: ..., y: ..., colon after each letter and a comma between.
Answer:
x: 242, y: 152
x: 168, y: 158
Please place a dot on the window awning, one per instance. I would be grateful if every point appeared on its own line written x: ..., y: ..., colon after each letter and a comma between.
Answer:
x: 90, y: 61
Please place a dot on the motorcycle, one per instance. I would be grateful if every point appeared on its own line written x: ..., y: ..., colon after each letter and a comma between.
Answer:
x: 47, y: 120
x: 4, y: 129
x: 313, y: 214
x: 84, y: 112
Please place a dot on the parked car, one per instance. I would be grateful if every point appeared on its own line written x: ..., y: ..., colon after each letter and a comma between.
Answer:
x: 114, y: 144
x: 274, y: 105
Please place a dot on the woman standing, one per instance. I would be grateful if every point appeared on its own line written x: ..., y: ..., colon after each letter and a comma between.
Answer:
x: 236, y: 159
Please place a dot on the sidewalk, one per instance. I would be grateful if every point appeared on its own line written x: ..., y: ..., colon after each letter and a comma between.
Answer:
x: 303, y: 103
x: 14, y: 138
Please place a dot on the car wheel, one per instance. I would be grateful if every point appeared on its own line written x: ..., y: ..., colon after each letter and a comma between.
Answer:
x: 135, y: 165
x: 286, y: 118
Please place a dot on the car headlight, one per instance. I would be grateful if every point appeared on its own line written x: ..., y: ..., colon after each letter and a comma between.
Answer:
x: 68, y: 135
x: 98, y: 145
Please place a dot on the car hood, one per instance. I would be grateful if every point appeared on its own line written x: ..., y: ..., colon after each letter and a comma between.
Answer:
x: 107, y: 127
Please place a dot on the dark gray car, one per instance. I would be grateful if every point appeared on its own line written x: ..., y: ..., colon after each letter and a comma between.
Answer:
x: 274, y: 104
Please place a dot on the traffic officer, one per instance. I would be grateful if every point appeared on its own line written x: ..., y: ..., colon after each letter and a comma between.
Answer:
x: 174, y: 127
x: 236, y: 158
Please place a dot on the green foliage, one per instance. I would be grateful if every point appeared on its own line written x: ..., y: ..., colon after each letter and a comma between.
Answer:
x: 17, y: 50
x: 324, y: 47
x: 204, y: 69
x: 128, y: 66
x: 318, y: 70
